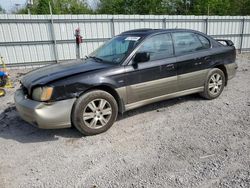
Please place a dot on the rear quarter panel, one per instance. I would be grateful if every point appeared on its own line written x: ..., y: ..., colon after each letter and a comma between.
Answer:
x: 223, y: 55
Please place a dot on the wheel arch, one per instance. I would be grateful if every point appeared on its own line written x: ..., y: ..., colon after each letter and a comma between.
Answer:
x: 111, y: 91
x: 224, y: 70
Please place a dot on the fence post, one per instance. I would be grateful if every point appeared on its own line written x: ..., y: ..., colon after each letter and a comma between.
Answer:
x: 242, y: 34
x: 164, y: 26
x: 53, y: 34
x: 112, y: 26
x: 206, y: 25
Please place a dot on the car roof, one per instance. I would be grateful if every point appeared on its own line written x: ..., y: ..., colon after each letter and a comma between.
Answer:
x: 148, y: 31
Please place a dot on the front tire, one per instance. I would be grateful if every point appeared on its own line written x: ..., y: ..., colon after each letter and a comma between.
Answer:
x: 94, y: 112
x: 214, y: 85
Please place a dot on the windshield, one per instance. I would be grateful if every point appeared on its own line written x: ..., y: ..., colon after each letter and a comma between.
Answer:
x: 115, y: 49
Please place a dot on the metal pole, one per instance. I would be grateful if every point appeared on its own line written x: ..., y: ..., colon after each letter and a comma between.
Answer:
x: 112, y: 26
x: 206, y: 25
x: 77, y: 51
x: 242, y: 34
x: 164, y: 26
x: 53, y: 34
x: 77, y: 35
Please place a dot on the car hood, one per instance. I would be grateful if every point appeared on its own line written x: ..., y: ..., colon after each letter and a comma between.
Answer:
x: 51, y: 73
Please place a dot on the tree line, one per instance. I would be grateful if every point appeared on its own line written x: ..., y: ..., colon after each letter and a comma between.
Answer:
x: 156, y: 7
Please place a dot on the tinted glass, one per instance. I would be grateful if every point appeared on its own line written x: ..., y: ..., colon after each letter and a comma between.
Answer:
x: 159, y: 47
x: 205, y: 42
x: 186, y: 43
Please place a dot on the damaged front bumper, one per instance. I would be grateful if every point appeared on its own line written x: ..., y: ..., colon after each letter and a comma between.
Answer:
x: 44, y: 115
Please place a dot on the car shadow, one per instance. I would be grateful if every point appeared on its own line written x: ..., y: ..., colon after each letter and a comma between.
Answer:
x: 13, y: 127
x: 159, y: 106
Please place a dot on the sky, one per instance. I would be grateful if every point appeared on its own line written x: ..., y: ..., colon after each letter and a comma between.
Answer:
x: 10, y: 4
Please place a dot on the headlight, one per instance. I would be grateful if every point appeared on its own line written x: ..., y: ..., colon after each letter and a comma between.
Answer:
x: 42, y: 93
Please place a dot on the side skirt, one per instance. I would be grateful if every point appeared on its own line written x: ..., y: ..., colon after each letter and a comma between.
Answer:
x: 163, y: 97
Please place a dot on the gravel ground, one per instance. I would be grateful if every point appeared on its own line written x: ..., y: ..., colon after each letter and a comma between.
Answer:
x: 183, y: 142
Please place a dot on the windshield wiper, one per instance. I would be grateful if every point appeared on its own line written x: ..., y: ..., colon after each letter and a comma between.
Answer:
x: 96, y: 58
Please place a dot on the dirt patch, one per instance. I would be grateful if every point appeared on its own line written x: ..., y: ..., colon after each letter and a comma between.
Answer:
x: 183, y: 142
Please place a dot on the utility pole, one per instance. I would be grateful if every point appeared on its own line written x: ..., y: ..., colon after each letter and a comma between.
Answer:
x: 208, y: 8
x: 17, y: 5
x: 186, y: 7
x: 53, y: 33
x: 29, y: 5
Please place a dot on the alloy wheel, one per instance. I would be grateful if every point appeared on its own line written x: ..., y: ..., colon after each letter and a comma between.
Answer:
x: 215, y: 84
x: 97, y: 113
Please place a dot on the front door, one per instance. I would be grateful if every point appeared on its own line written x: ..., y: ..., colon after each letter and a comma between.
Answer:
x: 156, y: 77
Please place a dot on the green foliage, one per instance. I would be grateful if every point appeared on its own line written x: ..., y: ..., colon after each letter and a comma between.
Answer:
x: 43, y: 7
x: 175, y: 7
x: 71, y: 7
x: 220, y: 7
x: 240, y: 7
x: 167, y: 7
x: 58, y: 7
x: 150, y: 7
x: 211, y: 7
x: 132, y: 7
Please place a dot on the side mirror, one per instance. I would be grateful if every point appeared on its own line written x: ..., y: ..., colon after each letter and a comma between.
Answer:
x: 141, y: 57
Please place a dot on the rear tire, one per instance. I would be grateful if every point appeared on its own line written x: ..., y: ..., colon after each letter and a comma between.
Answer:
x: 214, y: 84
x: 94, y: 112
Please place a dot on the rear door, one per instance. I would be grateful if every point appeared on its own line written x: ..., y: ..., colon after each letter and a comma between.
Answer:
x: 156, y: 77
x: 193, y: 59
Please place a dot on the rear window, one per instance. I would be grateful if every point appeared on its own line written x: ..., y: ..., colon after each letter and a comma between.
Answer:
x: 205, y: 42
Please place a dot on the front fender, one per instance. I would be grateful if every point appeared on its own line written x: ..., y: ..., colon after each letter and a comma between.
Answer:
x: 74, y: 86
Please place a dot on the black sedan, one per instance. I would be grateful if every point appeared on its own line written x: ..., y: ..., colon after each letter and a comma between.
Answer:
x: 133, y: 69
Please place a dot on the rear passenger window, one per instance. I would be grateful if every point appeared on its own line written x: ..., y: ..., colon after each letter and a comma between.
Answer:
x: 205, y: 42
x: 186, y: 43
x: 159, y: 47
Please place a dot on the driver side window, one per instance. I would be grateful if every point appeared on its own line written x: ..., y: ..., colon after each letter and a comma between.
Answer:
x: 158, y: 46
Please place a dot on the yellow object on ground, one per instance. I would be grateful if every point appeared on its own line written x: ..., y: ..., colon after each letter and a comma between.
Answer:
x: 2, y: 92
x: 9, y: 83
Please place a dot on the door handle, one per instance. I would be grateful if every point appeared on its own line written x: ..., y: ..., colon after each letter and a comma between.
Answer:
x: 198, y: 63
x: 208, y: 59
x: 170, y: 66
